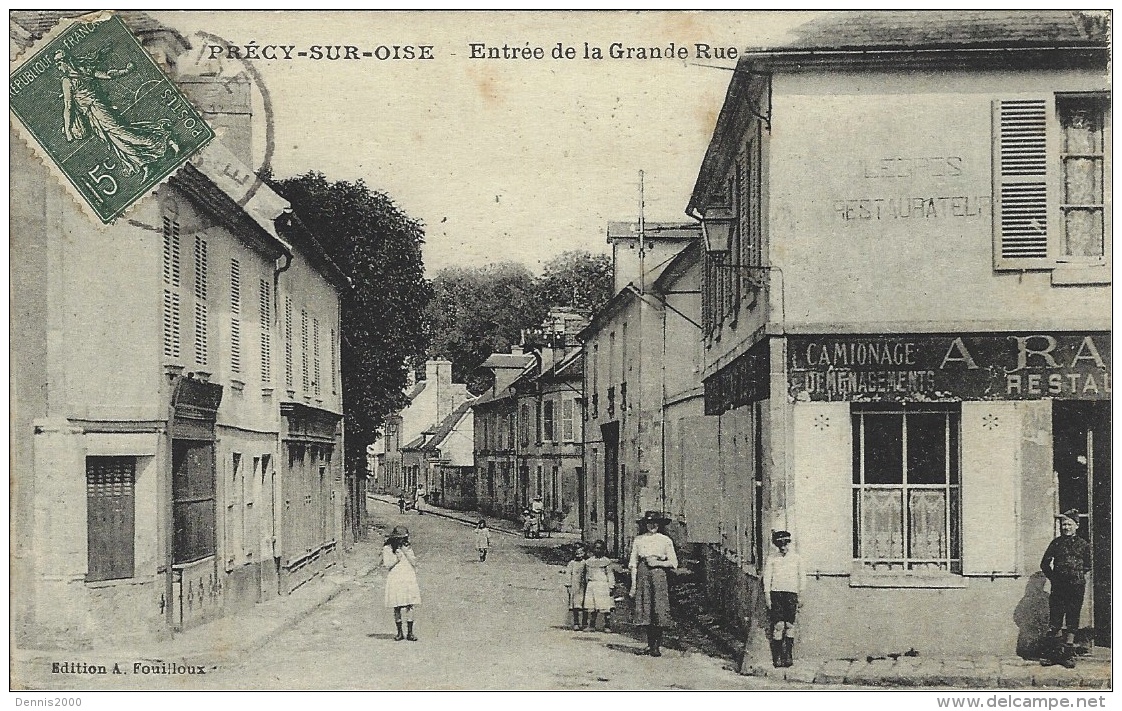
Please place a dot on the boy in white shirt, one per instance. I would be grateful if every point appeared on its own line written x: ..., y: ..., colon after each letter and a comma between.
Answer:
x: 783, y: 581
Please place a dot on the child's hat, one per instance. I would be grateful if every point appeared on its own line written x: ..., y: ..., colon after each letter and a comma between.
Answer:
x: 779, y: 537
x: 653, y: 517
x: 399, y: 532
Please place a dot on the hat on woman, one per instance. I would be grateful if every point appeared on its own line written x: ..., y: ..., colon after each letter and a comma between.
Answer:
x: 780, y: 537
x: 398, y: 532
x: 653, y: 517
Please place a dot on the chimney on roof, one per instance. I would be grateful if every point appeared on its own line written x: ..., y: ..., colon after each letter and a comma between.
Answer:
x: 516, y: 350
x: 438, y: 373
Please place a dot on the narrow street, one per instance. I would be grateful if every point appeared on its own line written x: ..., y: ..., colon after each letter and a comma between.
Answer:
x: 493, y: 625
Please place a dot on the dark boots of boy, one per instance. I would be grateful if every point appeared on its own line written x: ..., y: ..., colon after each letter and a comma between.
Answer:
x: 654, y: 640
x: 576, y: 620
x: 788, y: 651
x: 409, y: 634
x: 399, y: 636
x: 607, y: 621
x: 777, y: 639
x: 776, y: 652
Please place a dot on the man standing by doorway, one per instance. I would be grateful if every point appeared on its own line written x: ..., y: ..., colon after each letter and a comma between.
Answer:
x: 1065, y: 563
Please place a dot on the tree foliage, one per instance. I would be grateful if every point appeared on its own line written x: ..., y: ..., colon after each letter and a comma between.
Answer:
x: 378, y: 247
x: 578, y: 278
x: 478, y: 311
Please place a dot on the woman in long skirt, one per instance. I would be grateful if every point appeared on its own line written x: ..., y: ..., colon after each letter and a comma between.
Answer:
x: 402, y: 592
x: 652, y: 554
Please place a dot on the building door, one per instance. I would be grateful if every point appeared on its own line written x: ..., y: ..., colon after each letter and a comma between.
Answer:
x: 1081, y: 460
x: 523, y: 497
x: 582, y: 515
x: 612, y: 532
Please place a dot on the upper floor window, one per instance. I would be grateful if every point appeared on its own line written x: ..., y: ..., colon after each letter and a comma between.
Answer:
x: 548, y: 432
x: 1051, y: 184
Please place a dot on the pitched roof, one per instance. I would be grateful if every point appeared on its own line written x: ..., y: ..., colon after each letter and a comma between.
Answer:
x: 946, y: 29
x: 678, y: 266
x: 654, y: 230
x: 508, y: 360
x: 416, y: 390
x: 444, y: 428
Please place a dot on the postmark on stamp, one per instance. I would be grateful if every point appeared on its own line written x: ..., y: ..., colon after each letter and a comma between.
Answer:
x: 105, y: 114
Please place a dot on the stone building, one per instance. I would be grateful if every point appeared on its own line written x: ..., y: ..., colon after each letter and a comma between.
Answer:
x: 175, y: 430
x: 906, y: 313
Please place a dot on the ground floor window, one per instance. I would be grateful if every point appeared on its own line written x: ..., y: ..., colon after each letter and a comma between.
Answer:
x: 906, y: 506
x: 110, y: 517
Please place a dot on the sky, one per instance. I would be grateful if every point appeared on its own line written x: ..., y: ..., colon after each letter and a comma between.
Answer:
x: 501, y: 159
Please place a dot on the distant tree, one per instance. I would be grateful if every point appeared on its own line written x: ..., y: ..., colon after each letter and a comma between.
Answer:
x: 477, y: 311
x: 578, y: 279
x: 379, y: 248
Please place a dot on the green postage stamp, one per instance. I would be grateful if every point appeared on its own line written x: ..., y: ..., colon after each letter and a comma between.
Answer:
x: 105, y: 114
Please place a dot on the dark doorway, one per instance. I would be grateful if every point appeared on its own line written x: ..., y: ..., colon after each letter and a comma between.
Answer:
x: 610, y: 433
x: 1081, y: 460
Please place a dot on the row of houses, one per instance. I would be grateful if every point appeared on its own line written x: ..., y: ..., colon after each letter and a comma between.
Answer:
x: 887, y: 331
x: 892, y: 338
x: 176, y: 430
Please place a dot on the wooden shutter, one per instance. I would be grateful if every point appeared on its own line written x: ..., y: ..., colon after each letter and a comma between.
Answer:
x: 823, y: 464
x: 110, y: 517
x: 266, y: 320
x: 701, y: 487
x: 1020, y: 193
x: 235, y: 316
x: 991, y: 466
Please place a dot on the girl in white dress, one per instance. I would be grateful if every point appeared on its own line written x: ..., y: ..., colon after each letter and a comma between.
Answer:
x: 402, y: 592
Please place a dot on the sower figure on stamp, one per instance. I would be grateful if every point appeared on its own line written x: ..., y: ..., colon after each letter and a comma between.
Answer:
x: 652, y: 554
x: 1065, y: 563
x: 783, y: 581
x: 86, y: 111
x: 402, y: 592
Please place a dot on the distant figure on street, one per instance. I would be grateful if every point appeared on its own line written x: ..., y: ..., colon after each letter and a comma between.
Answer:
x: 783, y: 581
x: 402, y: 592
x: 652, y: 554
x: 482, y: 539
x: 573, y: 580
x: 419, y: 499
x: 1065, y: 563
x: 600, y: 578
x: 527, y: 523
x: 401, y: 502
x: 537, y: 510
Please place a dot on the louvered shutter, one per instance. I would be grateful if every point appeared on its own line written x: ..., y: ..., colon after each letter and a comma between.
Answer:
x: 1020, y: 194
x: 991, y: 467
x: 110, y: 507
x: 823, y: 469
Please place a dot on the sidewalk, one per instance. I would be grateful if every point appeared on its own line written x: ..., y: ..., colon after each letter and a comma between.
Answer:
x: 1011, y: 672
x: 221, y: 642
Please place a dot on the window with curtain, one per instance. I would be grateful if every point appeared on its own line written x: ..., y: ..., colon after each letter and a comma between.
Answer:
x: 906, y: 489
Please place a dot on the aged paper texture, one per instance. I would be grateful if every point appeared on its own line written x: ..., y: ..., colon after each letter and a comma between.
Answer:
x: 560, y: 350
